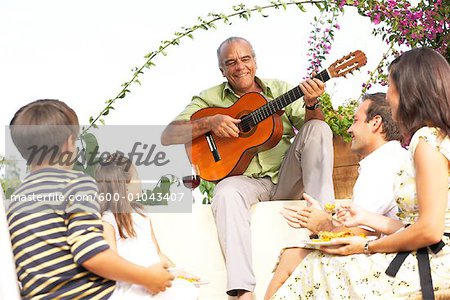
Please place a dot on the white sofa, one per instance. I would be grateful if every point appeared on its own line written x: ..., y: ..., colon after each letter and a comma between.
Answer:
x: 190, y: 240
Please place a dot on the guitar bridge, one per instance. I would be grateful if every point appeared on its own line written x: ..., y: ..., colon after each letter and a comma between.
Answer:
x: 212, y: 146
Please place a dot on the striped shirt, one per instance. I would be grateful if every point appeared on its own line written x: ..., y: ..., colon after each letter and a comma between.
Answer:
x: 55, y: 226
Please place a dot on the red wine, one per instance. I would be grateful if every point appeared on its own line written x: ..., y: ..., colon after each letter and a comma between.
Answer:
x: 191, y: 181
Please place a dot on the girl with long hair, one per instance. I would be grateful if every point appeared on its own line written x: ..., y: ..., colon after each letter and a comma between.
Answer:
x: 128, y: 229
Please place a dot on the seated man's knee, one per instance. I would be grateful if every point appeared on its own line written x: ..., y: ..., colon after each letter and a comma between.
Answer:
x: 319, y: 126
x: 226, y: 186
x: 225, y: 193
x: 314, y: 133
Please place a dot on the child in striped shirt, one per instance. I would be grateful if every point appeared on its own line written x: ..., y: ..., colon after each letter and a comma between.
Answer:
x: 54, y: 219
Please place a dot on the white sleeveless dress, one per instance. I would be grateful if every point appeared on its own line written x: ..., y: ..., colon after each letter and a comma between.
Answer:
x: 142, y: 251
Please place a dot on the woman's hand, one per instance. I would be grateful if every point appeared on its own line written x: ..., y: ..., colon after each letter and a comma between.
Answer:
x: 346, y: 246
x: 292, y: 216
x: 351, y: 215
x: 303, y: 218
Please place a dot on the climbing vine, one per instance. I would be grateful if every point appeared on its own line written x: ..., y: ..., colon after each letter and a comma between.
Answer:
x: 240, y: 11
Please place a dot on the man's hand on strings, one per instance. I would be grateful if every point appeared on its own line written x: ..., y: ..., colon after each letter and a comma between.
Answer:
x: 224, y: 126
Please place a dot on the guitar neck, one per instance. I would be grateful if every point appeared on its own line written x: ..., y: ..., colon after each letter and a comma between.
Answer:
x: 279, y: 103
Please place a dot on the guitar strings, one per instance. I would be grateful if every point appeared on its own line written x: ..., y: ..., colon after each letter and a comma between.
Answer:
x: 270, y: 108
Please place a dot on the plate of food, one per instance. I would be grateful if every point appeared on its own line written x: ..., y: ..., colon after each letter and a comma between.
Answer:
x: 181, y: 273
x: 196, y: 281
x: 324, y: 238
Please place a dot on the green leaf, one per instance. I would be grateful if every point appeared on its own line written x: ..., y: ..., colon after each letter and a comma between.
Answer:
x: 149, y: 64
x: 301, y: 7
x: 78, y: 166
x: 91, y: 147
x: 238, y: 7
x: 9, y: 192
x: 319, y: 6
x: 90, y: 170
x: 148, y: 55
x: 165, y: 184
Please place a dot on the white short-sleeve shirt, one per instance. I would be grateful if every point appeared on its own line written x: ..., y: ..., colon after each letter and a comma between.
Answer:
x: 374, y: 187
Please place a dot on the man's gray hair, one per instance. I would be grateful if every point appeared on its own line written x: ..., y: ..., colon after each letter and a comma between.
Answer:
x: 229, y: 41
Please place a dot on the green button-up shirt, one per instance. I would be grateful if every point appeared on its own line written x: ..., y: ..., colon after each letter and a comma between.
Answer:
x: 265, y: 163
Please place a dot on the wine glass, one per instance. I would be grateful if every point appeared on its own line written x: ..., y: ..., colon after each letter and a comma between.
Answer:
x: 191, y: 181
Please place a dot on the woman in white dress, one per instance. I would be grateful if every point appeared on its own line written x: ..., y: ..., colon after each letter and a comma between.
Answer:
x: 128, y: 230
x: 414, y: 256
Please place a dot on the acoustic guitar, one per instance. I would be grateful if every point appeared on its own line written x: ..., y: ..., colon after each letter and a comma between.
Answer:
x: 261, y: 128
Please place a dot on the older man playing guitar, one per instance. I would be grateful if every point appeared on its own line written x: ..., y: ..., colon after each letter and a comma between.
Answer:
x: 239, y: 134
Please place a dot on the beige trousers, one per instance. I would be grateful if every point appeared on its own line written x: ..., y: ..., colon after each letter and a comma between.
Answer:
x: 307, y: 167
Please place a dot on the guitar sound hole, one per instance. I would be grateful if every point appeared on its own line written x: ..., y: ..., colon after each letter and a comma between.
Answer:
x: 244, y: 128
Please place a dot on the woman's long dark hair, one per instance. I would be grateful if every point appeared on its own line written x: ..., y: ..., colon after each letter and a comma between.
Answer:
x: 112, y: 176
x: 422, y: 79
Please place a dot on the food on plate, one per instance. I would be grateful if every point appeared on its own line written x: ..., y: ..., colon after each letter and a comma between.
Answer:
x: 330, y: 208
x: 190, y: 279
x: 326, y: 236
